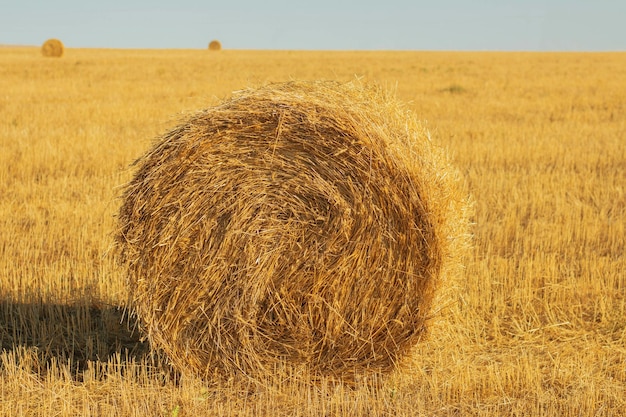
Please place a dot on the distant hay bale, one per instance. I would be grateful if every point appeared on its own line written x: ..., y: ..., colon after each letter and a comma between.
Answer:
x: 52, y: 48
x: 305, y: 223
x: 215, y: 45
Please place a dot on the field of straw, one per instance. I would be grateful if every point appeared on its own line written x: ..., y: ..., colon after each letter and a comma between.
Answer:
x: 535, y: 324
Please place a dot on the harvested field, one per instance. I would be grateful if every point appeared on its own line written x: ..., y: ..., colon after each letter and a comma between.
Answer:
x: 534, y: 325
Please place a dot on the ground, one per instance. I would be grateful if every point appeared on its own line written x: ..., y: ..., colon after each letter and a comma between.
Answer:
x: 535, y: 326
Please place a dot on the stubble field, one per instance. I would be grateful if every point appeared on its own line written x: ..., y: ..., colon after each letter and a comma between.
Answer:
x: 536, y: 325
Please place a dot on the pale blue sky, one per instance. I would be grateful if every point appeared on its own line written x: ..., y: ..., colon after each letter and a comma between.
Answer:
x: 531, y: 25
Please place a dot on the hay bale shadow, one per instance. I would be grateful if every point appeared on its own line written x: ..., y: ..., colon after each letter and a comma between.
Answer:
x: 77, y: 334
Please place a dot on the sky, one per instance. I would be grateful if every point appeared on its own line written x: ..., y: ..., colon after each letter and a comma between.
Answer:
x: 458, y: 25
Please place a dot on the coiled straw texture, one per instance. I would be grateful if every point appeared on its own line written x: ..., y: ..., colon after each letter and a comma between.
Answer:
x: 305, y: 223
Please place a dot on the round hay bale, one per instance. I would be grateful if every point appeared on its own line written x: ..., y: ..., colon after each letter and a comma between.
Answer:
x: 52, y: 48
x: 215, y: 45
x: 303, y: 223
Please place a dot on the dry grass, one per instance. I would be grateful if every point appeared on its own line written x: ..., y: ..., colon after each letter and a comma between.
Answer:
x: 52, y: 48
x: 536, y: 325
x: 305, y: 222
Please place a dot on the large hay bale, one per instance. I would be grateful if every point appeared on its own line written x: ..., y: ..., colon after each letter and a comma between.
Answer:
x: 215, y: 45
x: 301, y: 223
x: 52, y: 48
